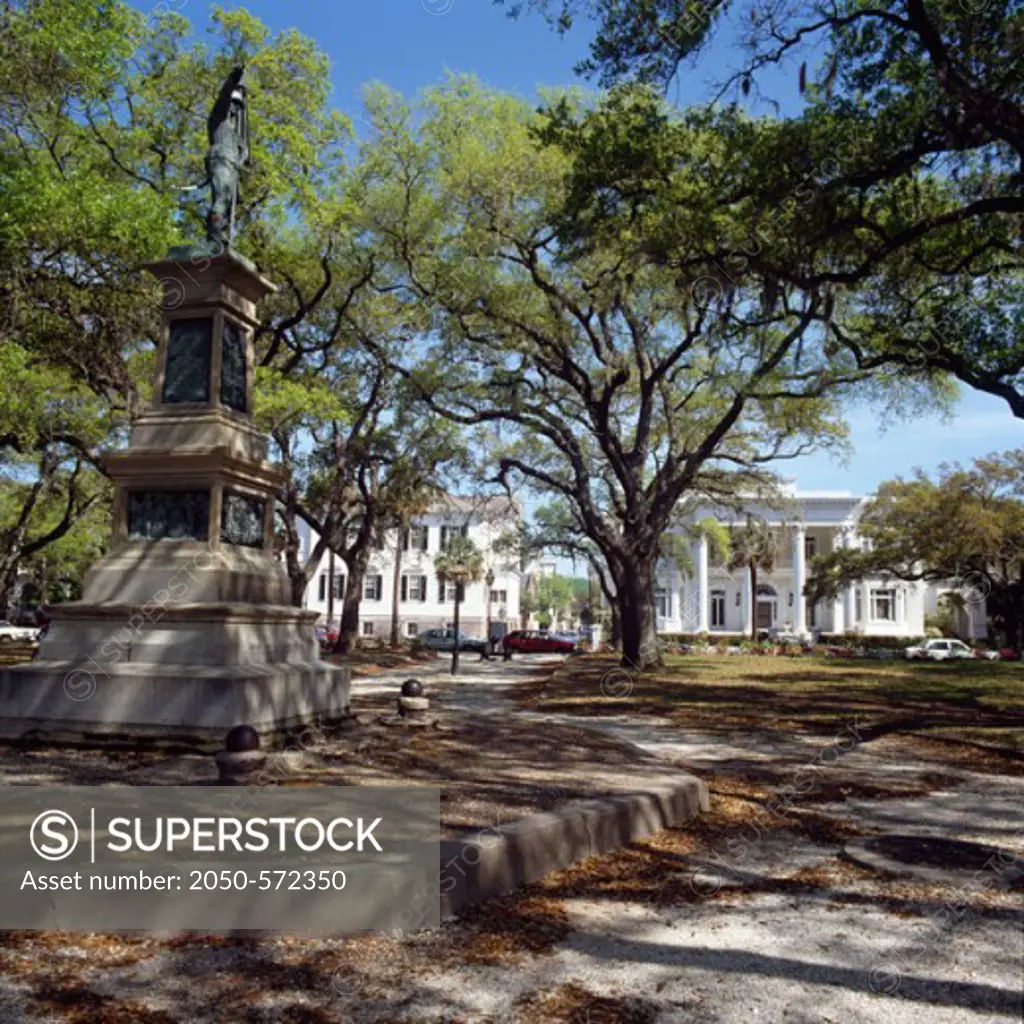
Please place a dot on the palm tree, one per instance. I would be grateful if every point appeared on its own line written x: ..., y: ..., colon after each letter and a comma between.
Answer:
x: 406, y: 507
x: 753, y: 546
x: 460, y: 563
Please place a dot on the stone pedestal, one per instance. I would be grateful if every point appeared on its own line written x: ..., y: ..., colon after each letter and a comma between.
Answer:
x: 185, y: 627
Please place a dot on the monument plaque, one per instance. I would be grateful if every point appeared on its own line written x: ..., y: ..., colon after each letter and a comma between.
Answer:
x: 187, y: 376
x: 232, y: 369
x: 168, y: 515
x: 242, y: 521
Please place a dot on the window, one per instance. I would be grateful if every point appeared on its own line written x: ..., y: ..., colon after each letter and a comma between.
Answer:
x: 662, y: 602
x: 412, y: 629
x: 812, y: 616
x: 446, y: 591
x: 810, y: 547
x: 718, y: 608
x: 339, y: 586
x: 883, y: 605
x: 367, y: 629
x: 499, y: 597
x: 416, y: 538
x: 858, y: 605
x: 414, y: 588
x: 378, y: 540
x: 373, y: 588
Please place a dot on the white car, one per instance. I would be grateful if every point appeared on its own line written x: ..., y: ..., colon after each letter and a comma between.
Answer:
x: 939, y: 650
x: 16, y: 634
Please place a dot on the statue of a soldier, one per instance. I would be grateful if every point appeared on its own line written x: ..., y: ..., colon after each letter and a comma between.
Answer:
x: 228, y: 130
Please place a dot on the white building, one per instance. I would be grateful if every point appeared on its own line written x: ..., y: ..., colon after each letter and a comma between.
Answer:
x: 718, y: 600
x: 423, y: 601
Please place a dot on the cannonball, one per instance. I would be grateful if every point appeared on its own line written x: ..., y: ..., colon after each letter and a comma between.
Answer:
x: 242, y: 738
x: 412, y: 688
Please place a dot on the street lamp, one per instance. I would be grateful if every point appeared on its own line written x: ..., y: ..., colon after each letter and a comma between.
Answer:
x: 489, y: 582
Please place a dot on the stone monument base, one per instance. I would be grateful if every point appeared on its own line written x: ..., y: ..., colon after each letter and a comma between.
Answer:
x: 179, y: 704
x: 189, y: 677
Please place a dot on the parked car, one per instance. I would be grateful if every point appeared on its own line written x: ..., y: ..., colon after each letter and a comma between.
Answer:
x: 939, y: 650
x: 11, y: 634
x: 327, y: 635
x: 986, y: 655
x: 444, y: 640
x: 528, y: 641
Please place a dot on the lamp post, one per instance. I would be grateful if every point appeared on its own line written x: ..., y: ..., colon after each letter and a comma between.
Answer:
x: 489, y: 582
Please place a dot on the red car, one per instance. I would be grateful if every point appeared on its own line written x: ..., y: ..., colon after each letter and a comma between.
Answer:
x: 530, y: 642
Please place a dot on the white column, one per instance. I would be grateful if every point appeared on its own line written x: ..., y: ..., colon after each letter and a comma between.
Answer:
x: 747, y: 603
x: 840, y: 616
x: 701, y: 562
x: 799, y: 579
x: 846, y: 594
x: 839, y: 613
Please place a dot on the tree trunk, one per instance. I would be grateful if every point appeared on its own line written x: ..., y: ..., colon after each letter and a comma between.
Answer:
x: 634, y: 587
x: 455, y: 648
x: 8, y: 577
x: 348, y: 630
x: 396, y: 586
x: 299, y: 573
x: 1015, y: 609
x: 753, y: 600
x: 331, y: 575
x: 616, y: 637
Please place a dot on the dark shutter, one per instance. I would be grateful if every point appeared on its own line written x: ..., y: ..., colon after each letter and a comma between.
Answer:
x: 405, y: 540
x: 323, y: 587
x: 423, y: 588
x: 405, y: 588
x: 440, y: 591
x: 426, y: 538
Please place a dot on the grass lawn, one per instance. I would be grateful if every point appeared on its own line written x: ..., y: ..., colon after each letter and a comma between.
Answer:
x: 970, y: 701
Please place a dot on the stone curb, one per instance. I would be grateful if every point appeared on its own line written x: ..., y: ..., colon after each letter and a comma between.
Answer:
x: 503, y: 859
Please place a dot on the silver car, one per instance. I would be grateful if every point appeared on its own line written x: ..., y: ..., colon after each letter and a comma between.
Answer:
x: 444, y: 640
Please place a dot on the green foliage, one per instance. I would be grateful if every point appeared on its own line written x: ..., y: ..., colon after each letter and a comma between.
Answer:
x: 460, y: 563
x: 897, y: 185
x: 555, y: 597
x: 102, y: 126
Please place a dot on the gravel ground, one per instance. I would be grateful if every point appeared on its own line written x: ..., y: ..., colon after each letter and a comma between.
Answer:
x: 747, y: 914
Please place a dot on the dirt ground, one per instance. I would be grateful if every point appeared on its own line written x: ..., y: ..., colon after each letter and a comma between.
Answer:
x: 750, y: 912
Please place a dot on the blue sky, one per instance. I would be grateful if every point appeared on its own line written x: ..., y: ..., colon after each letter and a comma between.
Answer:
x: 409, y: 44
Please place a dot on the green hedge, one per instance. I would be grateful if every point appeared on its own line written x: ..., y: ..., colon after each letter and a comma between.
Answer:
x: 891, y: 643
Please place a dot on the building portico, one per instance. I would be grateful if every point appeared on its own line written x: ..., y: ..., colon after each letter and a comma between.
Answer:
x: 717, y: 599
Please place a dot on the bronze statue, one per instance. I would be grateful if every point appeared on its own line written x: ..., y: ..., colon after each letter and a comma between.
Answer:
x: 228, y: 130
